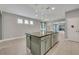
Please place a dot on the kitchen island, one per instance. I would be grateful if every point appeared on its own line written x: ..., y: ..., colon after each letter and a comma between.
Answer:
x: 40, y: 43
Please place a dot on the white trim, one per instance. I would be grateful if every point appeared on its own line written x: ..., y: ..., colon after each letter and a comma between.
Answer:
x: 12, y: 38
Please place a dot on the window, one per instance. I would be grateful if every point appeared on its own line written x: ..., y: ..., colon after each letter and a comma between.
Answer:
x: 31, y: 22
x: 26, y: 22
x: 20, y: 21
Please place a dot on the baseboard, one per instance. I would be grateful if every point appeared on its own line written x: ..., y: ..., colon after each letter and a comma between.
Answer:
x: 13, y: 38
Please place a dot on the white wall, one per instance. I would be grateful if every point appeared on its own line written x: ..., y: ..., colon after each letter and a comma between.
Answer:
x: 10, y: 27
x: 72, y: 18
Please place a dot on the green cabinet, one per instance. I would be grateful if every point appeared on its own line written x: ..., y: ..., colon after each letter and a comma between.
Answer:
x: 28, y: 40
x: 40, y: 45
x: 35, y: 45
x: 47, y: 43
x: 55, y: 38
x: 52, y: 40
x: 43, y: 45
x: 50, y: 36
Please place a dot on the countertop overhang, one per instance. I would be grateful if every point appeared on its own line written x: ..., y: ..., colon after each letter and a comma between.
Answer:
x: 42, y: 34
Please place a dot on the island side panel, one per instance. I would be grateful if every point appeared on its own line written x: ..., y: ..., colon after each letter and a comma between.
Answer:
x: 35, y: 45
x: 46, y: 43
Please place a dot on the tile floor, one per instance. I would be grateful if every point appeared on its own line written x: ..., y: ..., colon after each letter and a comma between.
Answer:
x: 64, y: 47
x: 13, y: 47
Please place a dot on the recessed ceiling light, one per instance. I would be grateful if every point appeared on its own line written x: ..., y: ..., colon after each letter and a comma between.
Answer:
x: 53, y: 8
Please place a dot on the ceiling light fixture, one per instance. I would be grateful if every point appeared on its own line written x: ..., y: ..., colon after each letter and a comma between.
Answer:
x: 53, y: 8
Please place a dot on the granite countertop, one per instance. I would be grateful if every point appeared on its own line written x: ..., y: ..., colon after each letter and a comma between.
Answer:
x: 41, y: 34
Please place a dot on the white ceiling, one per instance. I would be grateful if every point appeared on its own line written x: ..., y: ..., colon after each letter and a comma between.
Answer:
x: 42, y: 11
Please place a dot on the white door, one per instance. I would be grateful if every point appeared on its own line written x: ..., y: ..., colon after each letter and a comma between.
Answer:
x: 73, y: 29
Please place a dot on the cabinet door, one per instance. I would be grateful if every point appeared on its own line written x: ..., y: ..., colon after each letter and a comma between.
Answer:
x: 28, y: 41
x: 43, y: 46
x: 55, y: 38
x: 52, y: 40
x: 35, y: 45
x: 47, y: 43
